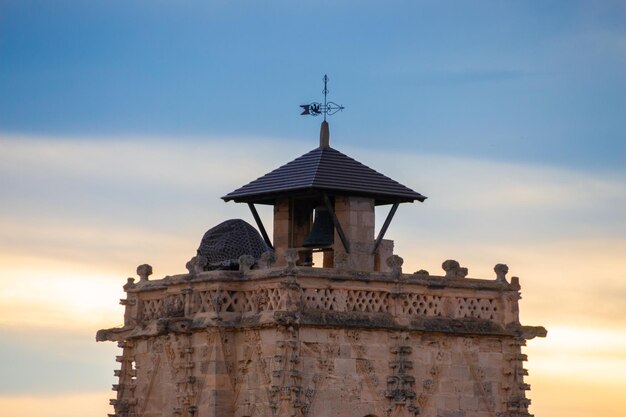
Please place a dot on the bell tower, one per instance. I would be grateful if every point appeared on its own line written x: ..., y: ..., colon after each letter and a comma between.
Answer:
x: 253, y: 330
x: 324, y: 202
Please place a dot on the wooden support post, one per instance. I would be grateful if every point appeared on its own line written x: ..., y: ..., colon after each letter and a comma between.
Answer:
x: 259, y: 223
x: 383, y: 230
x: 331, y: 210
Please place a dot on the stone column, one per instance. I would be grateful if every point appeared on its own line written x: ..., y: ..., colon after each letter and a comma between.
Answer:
x: 356, y: 216
x: 282, y: 230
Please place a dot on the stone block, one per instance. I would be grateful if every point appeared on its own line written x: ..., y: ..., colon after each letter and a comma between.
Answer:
x: 459, y: 372
x: 491, y: 372
x: 458, y: 359
x: 313, y: 335
x: 466, y: 387
x: 365, y: 235
x: 345, y: 351
x: 468, y: 403
x: 488, y: 359
x: 447, y: 413
x: 345, y: 366
x: 217, y: 380
x: 490, y: 345
x: 442, y: 357
x: 447, y: 387
x: 362, y: 203
x: 448, y: 402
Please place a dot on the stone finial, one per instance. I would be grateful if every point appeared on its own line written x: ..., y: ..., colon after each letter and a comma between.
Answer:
x: 197, y: 264
x: 453, y: 269
x: 291, y: 256
x: 501, y: 270
x: 394, y: 262
x: 421, y: 272
x: 144, y: 271
x: 246, y: 262
x: 130, y: 283
x: 267, y: 259
x: 324, y: 135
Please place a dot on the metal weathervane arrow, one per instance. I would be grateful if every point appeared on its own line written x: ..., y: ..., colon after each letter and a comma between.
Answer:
x: 327, y: 109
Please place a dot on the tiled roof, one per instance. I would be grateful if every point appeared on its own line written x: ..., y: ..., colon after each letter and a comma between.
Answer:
x: 324, y: 169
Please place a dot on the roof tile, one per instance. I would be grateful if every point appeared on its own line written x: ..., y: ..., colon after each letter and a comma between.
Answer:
x: 327, y: 169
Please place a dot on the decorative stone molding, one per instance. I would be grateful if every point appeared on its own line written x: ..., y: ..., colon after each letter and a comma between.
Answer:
x: 125, y: 403
x: 453, y: 269
x: 401, y: 384
x: 501, y: 270
x: 291, y: 257
x: 130, y: 284
x: 286, y: 389
x: 246, y: 262
x: 394, y: 262
x: 197, y: 264
x: 267, y: 260
x: 144, y: 271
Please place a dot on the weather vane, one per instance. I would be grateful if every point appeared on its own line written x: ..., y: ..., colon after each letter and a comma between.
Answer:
x: 328, y: 108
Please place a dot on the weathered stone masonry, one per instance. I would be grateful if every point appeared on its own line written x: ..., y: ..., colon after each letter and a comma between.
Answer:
x: 254, y: 330
x: 302, y: 341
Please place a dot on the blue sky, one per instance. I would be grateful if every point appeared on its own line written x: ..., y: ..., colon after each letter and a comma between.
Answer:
x: 538, y: 82
x: 122, y: 123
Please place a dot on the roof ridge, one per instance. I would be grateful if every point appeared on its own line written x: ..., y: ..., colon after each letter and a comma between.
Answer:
x: 319, y: 160
x: 317, y: 163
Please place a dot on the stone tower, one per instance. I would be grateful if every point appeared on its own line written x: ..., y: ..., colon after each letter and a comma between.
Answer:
x: 256, y: 329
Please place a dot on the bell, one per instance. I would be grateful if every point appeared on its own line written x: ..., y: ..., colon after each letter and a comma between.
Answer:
x: 322, y: 233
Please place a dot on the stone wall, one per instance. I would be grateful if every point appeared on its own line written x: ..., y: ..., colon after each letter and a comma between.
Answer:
x: 300, y: 341
x: 310, y: 371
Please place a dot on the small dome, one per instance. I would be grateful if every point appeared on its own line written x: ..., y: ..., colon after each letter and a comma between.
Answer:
x: 229, y: 240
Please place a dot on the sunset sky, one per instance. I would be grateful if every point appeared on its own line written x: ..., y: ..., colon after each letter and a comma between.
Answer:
x: 122, y: 123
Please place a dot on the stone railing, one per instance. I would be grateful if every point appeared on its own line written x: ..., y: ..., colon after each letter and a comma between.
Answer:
x: 413, y: 300
x: 259, y: 295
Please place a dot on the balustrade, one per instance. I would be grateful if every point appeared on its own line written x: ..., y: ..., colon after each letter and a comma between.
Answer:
x: 246, y: 298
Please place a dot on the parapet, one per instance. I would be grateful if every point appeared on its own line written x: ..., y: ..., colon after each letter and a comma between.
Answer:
x: 323, y: 297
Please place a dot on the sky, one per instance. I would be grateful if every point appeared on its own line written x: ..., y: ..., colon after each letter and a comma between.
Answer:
x: 122, y: 123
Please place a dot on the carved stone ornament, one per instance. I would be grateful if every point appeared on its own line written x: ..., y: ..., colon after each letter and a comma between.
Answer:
x: 130, y: 283
x: 246, y: 262
x: 197, y: 264
x: 291, y: 256
x: 144, y: 271
x: 267, y: 259
x: 501, y: 270
x: 453, y: 269
x: 395, y: 263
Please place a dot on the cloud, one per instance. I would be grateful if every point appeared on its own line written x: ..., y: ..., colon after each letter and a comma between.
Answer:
x: 578, y: 371
x: 52, y: 361
x: 44, y: 293
x: 180, y: 162
x: 90, y: 404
